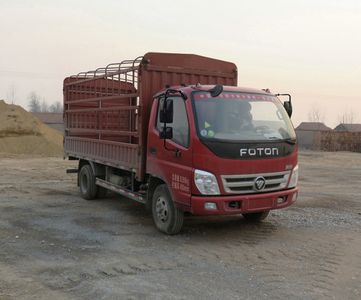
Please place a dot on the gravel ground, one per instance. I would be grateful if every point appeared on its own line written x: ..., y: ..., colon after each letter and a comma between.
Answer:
x: 54, y: 245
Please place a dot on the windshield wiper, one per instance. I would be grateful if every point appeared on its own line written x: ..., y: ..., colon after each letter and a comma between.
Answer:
x: 288, y: 141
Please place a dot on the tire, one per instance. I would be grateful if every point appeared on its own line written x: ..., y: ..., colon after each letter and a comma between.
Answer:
x: 256, y: 217
x: 87, y: 186
x: 167, y: 218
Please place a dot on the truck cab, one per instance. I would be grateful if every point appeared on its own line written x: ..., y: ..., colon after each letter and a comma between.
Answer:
x: 229, y: 152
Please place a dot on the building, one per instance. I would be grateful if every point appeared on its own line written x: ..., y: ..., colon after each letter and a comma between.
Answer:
x: 348, y: 127
x: 308, y: 134
x: 53, y: 120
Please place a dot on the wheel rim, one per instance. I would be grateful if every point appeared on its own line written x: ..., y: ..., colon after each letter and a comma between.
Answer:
x: 161, y: 209
x: 84, y: 183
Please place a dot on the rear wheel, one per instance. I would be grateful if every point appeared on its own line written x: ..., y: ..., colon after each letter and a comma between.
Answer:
x: 256, y: 217
x: 167, y: 218
x: 87, y: 186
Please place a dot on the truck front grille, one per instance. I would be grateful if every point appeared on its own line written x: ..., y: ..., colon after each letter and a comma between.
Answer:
x: 245, y: 183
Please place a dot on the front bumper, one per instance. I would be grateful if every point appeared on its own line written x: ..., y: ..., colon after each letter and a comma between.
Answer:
x: 237, y: 204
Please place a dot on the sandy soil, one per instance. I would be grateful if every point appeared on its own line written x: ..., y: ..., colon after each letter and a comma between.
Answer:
x: 54, y: 245
x: 22, y: 133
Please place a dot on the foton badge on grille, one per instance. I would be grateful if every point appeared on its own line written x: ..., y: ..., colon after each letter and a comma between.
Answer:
x: 259, y: 183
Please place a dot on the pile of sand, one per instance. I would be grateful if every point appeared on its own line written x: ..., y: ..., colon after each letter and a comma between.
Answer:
x: 22, y: 133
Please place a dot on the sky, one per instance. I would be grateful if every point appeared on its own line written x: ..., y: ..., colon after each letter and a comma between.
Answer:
x: 310, y: 49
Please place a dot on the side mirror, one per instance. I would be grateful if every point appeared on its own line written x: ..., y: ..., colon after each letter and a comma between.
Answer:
x: 166, y: 111
x: 166, y: 134
x: 288, y: 107
x: 287, y: 104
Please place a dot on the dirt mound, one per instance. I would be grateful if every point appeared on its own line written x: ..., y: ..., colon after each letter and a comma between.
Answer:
x: 22, y: 133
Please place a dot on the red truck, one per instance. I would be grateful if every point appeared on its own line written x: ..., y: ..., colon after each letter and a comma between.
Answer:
x: 173, y: 131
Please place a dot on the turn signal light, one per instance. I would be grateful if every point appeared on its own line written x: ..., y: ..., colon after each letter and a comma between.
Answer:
x: 281, y: 200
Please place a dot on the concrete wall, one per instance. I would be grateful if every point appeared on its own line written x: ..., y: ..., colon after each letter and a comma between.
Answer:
x: 340, y: 141
x: 329, y: 140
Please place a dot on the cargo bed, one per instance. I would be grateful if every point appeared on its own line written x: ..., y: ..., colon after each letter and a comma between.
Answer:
x: 106, y: 111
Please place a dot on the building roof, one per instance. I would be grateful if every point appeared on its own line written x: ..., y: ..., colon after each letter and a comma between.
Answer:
x: 313, y: 126
x: 348, y: 127
x: 49, y: 118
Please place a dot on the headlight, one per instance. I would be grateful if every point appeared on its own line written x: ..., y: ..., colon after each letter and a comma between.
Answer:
x: 206, y: 182
x: 294, y: 177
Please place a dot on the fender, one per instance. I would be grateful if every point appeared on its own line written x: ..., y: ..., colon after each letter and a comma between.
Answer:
x: 98, y: 170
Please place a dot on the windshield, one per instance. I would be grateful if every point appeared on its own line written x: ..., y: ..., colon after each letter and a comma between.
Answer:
x: 241, y: 117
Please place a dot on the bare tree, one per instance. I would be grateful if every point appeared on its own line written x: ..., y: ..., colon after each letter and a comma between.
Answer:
x: 11, y: 94
x: 315, y: 114
x: 44, y: 106
x: 348, y: 117
x: 56, y: 107
x: 34, y: 102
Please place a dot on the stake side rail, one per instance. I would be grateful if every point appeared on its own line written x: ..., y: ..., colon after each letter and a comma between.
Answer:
x: 115, y: 154
x: 101, y: 115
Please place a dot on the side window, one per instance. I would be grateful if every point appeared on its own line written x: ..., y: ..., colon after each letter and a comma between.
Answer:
x: 180, y: 122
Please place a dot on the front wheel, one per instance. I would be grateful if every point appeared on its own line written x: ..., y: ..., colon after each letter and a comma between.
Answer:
x: 256, y: 217
x: 87, y: 187
x: 167, y: 218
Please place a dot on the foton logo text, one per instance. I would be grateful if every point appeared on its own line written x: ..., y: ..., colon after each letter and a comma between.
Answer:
x: 259, y: 152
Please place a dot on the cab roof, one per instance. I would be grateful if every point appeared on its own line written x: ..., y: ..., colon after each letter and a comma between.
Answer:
x: 205, y: 88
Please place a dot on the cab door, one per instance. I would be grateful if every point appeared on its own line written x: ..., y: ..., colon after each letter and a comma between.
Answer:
x: 171, y: 159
